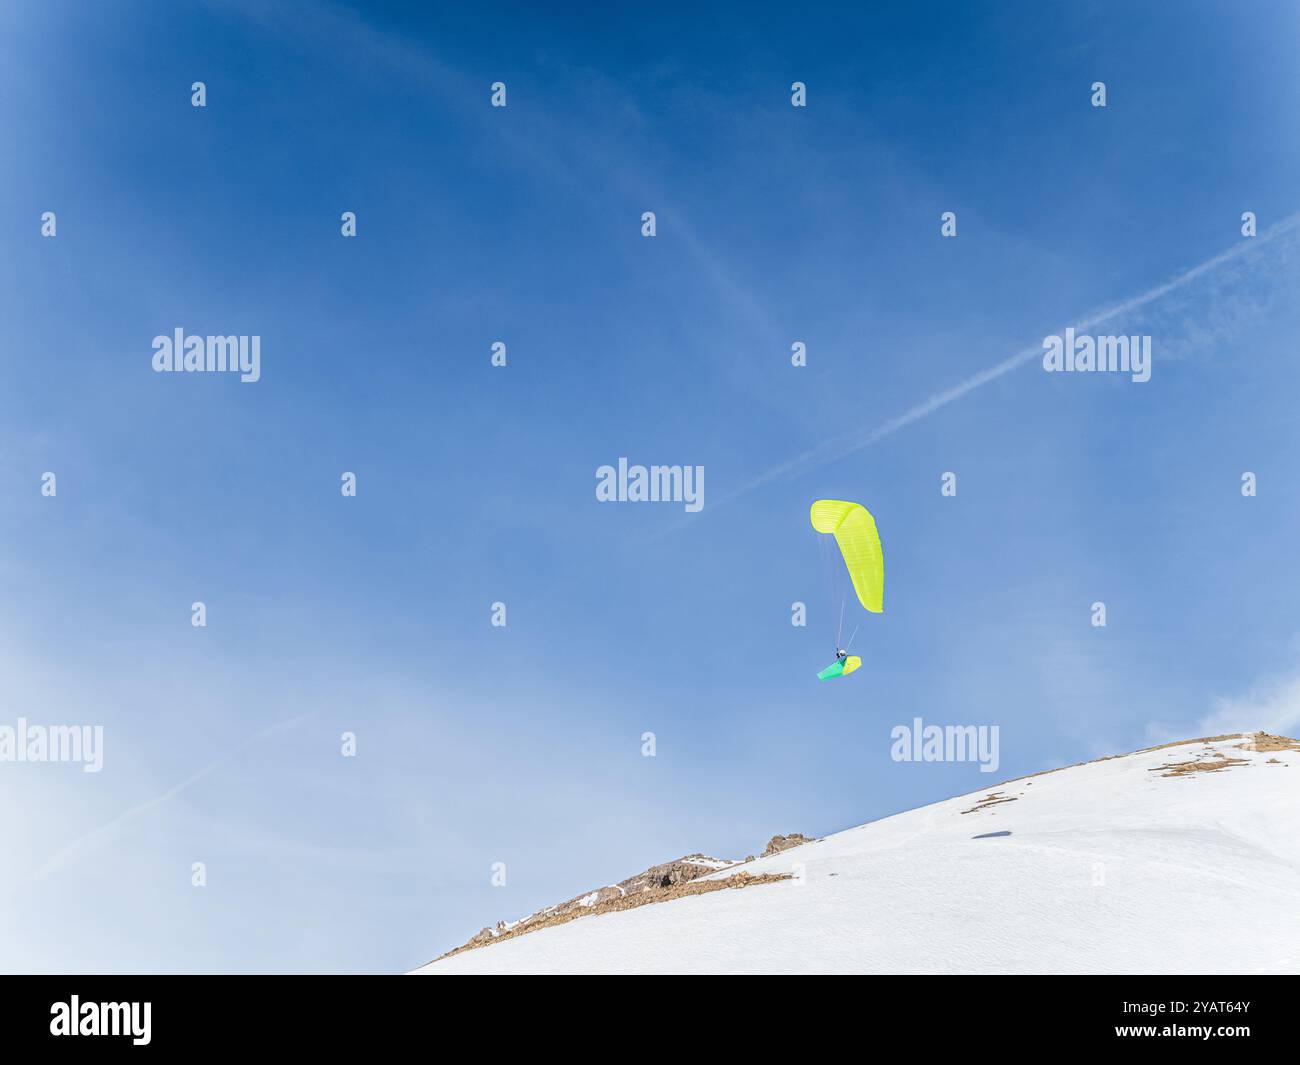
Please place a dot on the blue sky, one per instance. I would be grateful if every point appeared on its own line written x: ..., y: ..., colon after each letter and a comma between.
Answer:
x: 522, y: 745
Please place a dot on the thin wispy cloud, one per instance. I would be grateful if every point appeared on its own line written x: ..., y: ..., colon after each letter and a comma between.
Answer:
x: 840, y: 446
x: 65, y: 856
x: 1273, y: 706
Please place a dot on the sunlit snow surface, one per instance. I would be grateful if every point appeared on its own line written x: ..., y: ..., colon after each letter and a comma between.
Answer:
x: 1108, y: 867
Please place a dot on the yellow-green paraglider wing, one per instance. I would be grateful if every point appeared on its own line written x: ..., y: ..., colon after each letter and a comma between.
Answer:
x: 855, y: 531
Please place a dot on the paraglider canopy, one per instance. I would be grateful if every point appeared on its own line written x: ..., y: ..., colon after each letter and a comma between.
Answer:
x: 855, y: 535
x: 855, y: 532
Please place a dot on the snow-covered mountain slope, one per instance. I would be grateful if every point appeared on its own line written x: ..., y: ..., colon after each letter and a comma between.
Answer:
x: 1150, y: 862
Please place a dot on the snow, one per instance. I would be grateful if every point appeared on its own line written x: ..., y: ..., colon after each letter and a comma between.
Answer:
x: 1105, y: 867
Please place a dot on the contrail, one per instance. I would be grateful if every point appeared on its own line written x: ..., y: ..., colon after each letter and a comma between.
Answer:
x: 849, y: 443
x: 72, y: 851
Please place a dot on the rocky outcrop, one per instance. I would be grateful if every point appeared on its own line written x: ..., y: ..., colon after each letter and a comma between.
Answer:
x: 777, y: 844
x: 659, y: 883
x: 669, y: 874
